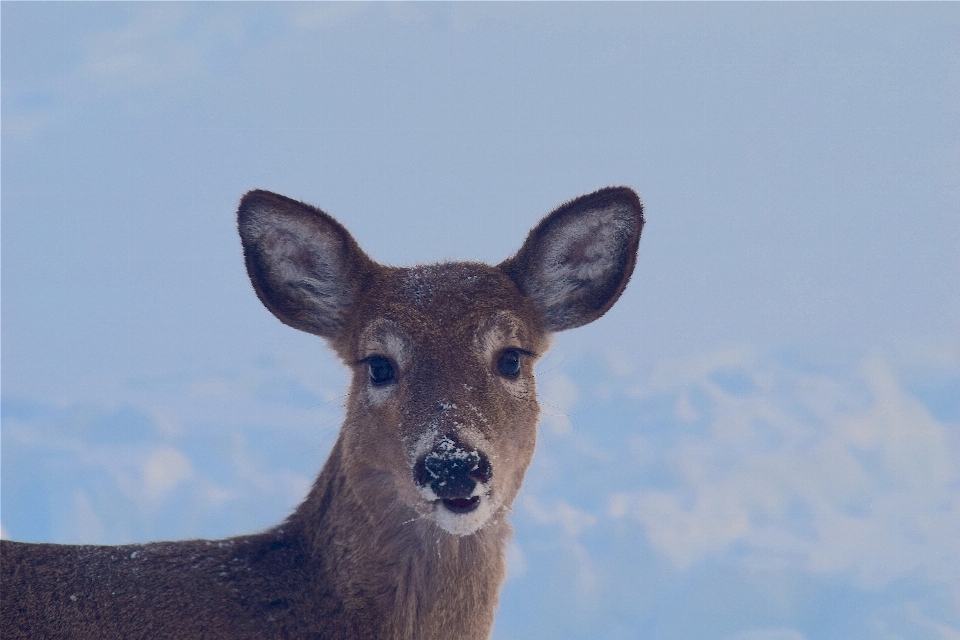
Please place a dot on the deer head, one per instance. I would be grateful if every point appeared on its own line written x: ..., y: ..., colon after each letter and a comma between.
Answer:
x: 442, y: 412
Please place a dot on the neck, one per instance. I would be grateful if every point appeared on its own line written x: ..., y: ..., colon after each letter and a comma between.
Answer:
x: 393, y: 573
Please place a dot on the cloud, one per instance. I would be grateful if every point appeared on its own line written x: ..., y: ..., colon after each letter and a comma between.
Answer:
x: 164, y: 470
x: 573, y: 521
x: 322, y: 15
x: 147, y: 50
x: 182, y: 456
x: 823, y: 474
x: 768, y: 634
x: 87, y: 524
x: 213, y: 387
x: 935, y: 628
x: 153, y: 48
x: 558, y: 395
x: 746, y: 496
x: 516, y: 561
x: 24, y: 125
x: 292, y: 487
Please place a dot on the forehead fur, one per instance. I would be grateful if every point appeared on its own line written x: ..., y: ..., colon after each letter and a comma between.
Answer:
x: 441, y: 298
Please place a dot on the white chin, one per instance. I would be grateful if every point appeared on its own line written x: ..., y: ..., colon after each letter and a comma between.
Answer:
x: 463, y: 524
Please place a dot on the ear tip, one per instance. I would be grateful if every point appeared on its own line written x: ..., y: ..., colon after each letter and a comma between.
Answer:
x: 623, y: 195
x: 259, y: 204
x: 252, y: 203
x: 255, y: 197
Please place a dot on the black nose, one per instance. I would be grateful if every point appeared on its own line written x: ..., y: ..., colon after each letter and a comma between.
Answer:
x: 452, y: 470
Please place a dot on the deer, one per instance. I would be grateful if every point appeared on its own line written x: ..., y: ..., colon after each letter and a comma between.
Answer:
x: 404, y: 533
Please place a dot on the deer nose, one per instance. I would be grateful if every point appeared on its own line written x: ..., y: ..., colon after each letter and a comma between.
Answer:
x: 452, y: 470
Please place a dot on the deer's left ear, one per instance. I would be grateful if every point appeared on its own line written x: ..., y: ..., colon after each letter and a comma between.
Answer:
x: 575, y: 264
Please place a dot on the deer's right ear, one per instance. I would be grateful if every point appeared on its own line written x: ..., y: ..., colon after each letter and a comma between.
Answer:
x: 305, y: 267
x: 575, y: 264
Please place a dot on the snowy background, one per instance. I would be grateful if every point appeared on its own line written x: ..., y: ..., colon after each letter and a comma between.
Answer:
x: 761, y: 441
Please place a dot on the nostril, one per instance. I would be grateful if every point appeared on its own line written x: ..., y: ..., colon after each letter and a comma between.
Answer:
x: 422, y: 475
x: 483, y: 471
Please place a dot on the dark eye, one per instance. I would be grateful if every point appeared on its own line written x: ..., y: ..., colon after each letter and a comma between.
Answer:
x: 509, y: 363
x: 381, y: 371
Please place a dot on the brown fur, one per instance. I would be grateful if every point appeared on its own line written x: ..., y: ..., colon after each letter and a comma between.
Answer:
x: 376, y: 550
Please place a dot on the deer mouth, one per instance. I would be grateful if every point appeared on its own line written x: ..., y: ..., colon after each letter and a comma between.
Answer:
x: 461, y: 505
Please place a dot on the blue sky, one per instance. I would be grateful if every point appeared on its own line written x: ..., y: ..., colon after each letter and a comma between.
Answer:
x: 761, y: 441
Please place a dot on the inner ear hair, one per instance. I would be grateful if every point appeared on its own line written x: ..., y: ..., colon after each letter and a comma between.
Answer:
x: 577, y: 261
x: 304, y: 265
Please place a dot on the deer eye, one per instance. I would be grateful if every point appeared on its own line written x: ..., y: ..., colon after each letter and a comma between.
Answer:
x: 381, y: 371
x: 509, y: 363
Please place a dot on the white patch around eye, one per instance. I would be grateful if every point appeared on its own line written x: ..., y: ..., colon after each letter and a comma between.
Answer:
x: 492, y: 342
x: 384, y: 338
x: 396, y: 347
x: 502, y: 332
x: 378, y: 395
x: 498, y: 333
